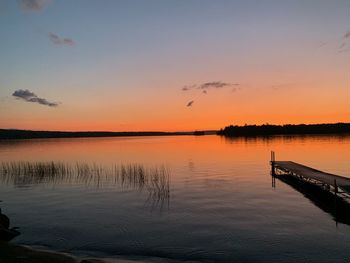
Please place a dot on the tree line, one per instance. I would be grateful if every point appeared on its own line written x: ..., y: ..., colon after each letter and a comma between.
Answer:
x: 269, y: 129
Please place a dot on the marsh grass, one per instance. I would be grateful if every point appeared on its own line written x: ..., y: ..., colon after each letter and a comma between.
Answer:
x: 154, y: 180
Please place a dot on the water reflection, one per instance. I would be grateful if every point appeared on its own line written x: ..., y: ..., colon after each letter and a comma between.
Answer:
x: 220, y: 192
x: 335, y: 206
x: 287, y: 138
x: 155, y: 180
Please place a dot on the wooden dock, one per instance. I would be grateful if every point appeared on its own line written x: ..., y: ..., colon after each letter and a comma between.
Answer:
x: 330, y: 182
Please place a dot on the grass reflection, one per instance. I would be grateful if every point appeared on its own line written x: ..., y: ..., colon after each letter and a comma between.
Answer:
x: 154, y: 180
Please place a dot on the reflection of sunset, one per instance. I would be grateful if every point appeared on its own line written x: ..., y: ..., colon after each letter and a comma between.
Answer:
x: 189, y: 151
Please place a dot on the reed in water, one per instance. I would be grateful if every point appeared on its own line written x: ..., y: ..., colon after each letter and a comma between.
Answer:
x: 156, y: 180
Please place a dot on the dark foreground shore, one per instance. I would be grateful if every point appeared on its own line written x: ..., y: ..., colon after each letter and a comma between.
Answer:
x: 11, y: 253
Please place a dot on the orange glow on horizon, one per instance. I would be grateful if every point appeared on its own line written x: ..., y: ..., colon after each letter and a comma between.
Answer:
x: 167, y: 111
x: 122, y: 77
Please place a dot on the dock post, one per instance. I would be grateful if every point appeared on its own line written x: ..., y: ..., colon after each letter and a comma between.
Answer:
x: 273, y: 172
x: 335, y: 199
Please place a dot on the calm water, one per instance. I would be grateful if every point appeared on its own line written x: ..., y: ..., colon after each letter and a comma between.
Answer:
x: 221, y: 208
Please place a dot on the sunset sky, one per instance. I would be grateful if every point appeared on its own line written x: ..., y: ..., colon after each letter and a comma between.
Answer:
x: 172, y: 65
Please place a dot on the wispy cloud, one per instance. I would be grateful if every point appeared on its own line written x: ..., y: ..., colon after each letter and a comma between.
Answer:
x: 55, y: 39
x: 345, y: 46
x: 342, y: 45
x: 343, y: 50
x: 29, y: 96
x: 209, y: 85
x: 32, y: 5
x: 188, y: 87
x: 322, y: 44
x: 216, y: 85
x: 190, y: 103
x: 204, y: 88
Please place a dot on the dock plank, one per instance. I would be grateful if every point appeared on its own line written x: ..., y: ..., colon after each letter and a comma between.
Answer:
x: 311, y: 173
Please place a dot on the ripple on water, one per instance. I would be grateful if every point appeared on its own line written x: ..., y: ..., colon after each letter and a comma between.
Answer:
x: 222, y: 207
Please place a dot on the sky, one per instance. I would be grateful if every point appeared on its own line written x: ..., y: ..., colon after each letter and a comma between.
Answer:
x: 181, y: 65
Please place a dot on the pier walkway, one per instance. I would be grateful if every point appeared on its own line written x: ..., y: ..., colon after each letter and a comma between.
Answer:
x: 339, y: 184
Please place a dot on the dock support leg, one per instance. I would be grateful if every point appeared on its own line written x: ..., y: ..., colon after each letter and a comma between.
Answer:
x: 335, y: 200
x: 273, y: 169
x: 335, y: 187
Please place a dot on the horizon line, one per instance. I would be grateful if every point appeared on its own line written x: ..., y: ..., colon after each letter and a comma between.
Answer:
x: 159, y: 131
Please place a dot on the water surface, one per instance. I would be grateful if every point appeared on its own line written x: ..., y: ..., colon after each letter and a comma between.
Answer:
x: 221, y: 208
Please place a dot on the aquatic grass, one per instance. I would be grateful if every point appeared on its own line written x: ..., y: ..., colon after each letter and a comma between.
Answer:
x: 155, y: 180
x: 160, y: 181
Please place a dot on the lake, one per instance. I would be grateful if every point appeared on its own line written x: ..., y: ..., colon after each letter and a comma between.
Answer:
x: 221, y: 205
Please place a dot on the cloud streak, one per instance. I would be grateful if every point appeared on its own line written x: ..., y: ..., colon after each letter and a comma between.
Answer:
x: 205, y: 87
x: 215, y: 85
x: 190, y: 103
x: 55, y: 39
x: 32, y: 5
x: 345, y: 46
x: 188, y: 87
x: 343, y: 50
x: 29, y: 96
x: 209, y: 85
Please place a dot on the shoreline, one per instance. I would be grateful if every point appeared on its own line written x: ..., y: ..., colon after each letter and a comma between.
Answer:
x: 13, y: 134
x: 14, y: 253
x: 286, y: 129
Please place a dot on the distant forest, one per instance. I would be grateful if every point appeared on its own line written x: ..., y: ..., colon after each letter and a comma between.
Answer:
x: 7, y: 134
x: 268, y: 129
